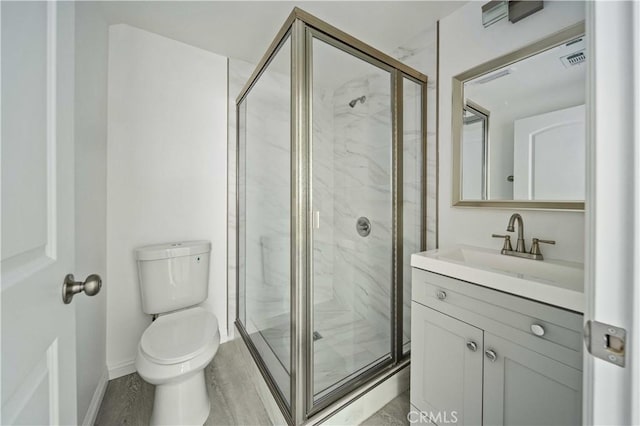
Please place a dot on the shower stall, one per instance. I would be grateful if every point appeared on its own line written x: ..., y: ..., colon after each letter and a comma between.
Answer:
x: 330, y: 204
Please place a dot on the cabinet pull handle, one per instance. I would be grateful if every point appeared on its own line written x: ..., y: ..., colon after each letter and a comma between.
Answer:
x: 441, y: 295
x: 473, y: 346
x: 537, y: 329
x: 491, y: 355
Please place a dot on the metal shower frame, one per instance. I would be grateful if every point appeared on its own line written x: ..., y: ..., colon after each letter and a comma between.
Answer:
x: 302, y: 27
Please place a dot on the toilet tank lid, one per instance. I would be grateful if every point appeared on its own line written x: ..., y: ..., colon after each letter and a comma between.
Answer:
x: 174, y: 249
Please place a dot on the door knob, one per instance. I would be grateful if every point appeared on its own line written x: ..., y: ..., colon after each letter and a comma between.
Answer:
x: 473, y: 346
x: 91, y: 286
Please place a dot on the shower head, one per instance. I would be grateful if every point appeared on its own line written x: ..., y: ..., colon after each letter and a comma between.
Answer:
x: 355, y: 101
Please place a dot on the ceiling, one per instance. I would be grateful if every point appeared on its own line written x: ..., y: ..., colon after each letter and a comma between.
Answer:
x: 539, y: 79
x: 244, y: 29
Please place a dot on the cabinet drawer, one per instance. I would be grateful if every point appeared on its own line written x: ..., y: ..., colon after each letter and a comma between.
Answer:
x: 503, y: 313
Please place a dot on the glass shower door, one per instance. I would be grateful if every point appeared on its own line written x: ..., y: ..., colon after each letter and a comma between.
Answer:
x: 331, y: 201
x: 264, y: 211
x: 352, y: 232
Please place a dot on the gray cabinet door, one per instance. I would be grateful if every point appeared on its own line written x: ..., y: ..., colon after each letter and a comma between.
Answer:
x: 523, y: 387
x: 446, y: 375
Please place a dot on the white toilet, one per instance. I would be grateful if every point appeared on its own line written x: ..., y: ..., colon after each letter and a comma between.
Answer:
x: 182, y: 341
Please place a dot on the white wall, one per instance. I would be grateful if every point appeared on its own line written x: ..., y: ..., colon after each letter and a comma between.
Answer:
x: 166, y: 170
x: 464, y: 43
x: 91, y: 47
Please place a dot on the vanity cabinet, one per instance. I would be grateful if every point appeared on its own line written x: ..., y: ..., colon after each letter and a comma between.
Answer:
x: 480, y: 356
x: 446, y: 370
x: 523, y: 387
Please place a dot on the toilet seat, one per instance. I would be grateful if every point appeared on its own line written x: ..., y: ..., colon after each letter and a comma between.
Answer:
x: 180, y: 336
x: 180, y: 396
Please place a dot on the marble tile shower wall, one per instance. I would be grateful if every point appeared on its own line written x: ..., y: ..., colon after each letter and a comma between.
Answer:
x: 323, y: 183
x: 362, y: 187
x: 418, y: 52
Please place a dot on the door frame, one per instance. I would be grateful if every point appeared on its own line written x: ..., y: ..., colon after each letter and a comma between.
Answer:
x: 612, y: 270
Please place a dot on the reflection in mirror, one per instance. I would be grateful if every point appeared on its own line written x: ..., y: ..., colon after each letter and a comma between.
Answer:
x: 532, y: 149
x: 475, y: 138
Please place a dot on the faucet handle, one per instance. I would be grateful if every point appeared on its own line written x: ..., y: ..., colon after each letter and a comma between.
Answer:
x: 535, y: 247
x: 544, y: 241
x: 507, y: 242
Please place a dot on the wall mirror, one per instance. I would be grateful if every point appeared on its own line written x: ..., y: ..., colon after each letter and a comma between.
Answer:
x: 519, y: 127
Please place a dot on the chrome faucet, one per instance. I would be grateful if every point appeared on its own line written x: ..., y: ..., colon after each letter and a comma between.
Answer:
x: 520, y: 250
x: 520, y: 244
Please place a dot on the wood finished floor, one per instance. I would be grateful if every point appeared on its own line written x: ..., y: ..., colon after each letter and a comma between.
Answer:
x: 234, y: 398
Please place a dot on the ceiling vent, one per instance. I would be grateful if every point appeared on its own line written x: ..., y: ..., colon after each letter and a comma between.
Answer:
x: 575, y: 58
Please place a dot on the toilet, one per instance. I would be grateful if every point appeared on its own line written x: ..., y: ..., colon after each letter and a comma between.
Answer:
x: 177, y: 346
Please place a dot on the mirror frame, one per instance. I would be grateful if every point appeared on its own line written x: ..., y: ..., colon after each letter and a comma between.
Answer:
x: 458, y: 104
x: 485, y: 114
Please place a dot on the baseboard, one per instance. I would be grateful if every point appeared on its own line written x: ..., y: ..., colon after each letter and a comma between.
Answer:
x: 96, y: 401
x: 122, y: 369
x: 224, y: 337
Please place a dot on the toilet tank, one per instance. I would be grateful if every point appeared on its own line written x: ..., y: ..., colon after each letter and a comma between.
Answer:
x: 173, y: 276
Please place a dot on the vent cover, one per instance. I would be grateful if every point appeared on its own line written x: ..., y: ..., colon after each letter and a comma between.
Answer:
x: 573, y: 59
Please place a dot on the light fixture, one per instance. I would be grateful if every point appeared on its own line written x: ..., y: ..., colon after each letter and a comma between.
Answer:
x: 516, y: 10
x: 494, y: 11
x: 521, y: 9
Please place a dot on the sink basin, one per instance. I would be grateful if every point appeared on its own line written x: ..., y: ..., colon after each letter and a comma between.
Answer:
x: 555, y: 282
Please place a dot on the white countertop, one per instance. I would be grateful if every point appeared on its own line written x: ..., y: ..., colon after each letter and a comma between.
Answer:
x: 555, y: 282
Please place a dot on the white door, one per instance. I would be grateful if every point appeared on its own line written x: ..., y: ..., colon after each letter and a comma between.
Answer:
x: 612, y: 267
x: 38, y: 330
x: 550, y: 148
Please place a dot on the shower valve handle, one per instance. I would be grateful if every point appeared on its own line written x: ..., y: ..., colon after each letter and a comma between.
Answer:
x: 363, y: 226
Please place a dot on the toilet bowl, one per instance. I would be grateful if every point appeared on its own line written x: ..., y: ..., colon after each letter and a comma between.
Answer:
x: 175, y: 349
x: 172, y: 354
